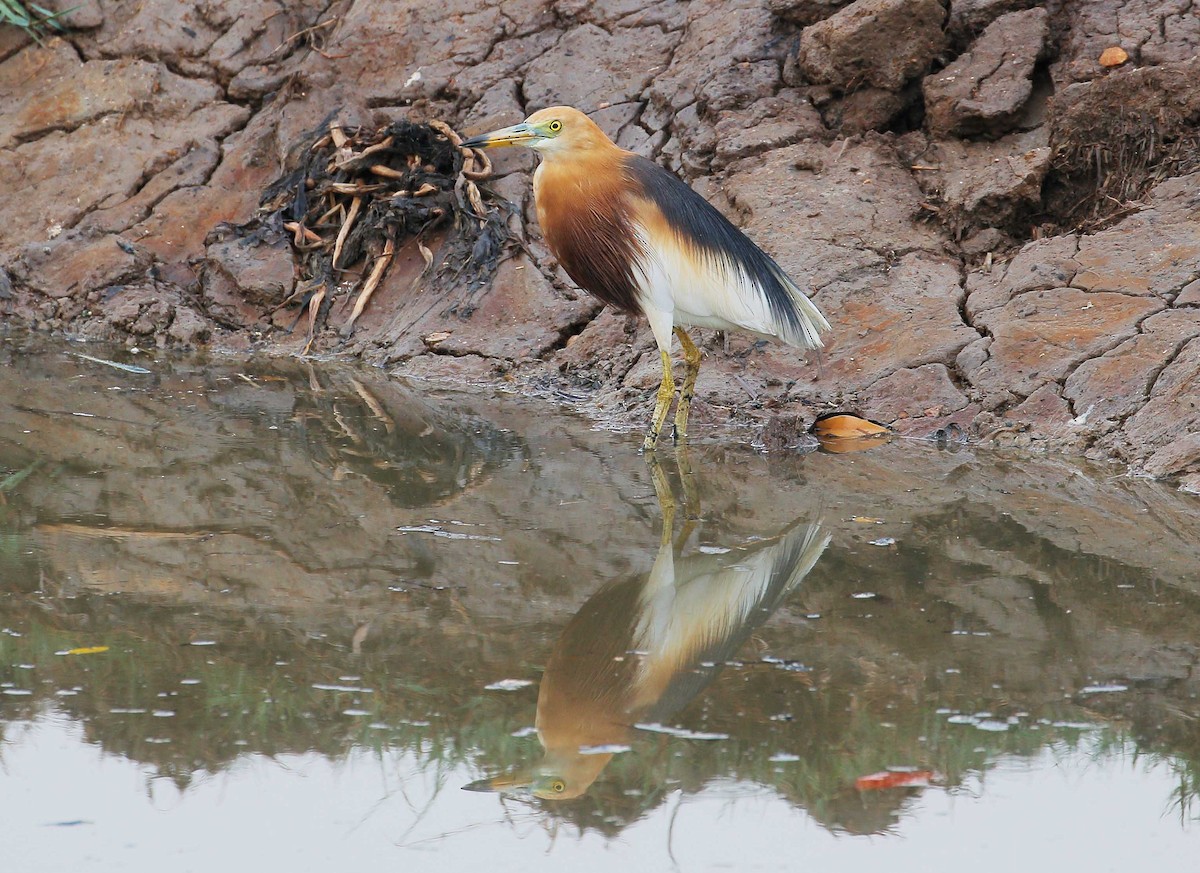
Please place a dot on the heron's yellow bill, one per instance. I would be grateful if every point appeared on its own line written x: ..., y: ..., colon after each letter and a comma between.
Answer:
x: 518, y: 134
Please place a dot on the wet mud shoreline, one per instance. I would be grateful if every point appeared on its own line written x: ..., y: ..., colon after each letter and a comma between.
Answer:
x: 1001, y: 226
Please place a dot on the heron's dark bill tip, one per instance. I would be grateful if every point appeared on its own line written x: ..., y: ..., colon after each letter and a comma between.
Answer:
x: 479, y: 785
x: 475, y: 142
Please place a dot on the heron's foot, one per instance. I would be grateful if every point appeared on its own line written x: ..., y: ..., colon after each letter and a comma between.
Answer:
x: 666, y: 393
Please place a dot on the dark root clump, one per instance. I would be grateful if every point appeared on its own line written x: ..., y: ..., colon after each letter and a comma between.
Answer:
x: 352, y: 197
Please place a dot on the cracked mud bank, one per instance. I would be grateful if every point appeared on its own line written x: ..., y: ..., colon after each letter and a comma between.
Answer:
x: 1003, y: 231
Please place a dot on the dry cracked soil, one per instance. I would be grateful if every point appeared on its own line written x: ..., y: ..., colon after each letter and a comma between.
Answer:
x: 1002, y: 227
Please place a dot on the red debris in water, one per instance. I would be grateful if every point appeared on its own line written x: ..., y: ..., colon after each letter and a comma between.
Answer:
x: 894, y: 779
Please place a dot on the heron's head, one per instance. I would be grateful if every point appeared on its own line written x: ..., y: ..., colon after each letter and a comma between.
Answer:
x: 556, y: 130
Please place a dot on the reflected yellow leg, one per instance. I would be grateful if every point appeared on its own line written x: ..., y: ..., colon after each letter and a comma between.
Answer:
x: 666, y: 498
x: 666, y: 391
x: 691, y: 494
x: 691, y: 356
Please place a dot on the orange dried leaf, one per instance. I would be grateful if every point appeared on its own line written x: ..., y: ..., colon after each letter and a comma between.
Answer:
x: 843, y: 426
x: 839, y: 433
x: 1113, y: 56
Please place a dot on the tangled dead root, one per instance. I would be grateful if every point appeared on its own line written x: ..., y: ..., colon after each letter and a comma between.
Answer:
x: 355, y: 196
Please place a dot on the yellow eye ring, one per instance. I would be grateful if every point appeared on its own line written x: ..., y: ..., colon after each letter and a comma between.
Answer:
x: 554, y: 126
x: 557, y: 785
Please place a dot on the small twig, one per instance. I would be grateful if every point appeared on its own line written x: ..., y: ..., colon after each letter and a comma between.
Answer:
x: 386, y: 171
x: 300, y: 34
x: 342, y: 234
x: 300, y: 234
x: 336, y: 208
x: 746, y: 386
x: 346, y: 159
x: 354, y: 188
x: 328, y: 56
x: 371, y: 284
x: 314, y: 306
x: 378, y: 147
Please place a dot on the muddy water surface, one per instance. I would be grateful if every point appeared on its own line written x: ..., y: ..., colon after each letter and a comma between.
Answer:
x: 276, y: 611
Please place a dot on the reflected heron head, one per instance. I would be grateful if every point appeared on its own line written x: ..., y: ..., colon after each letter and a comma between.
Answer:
x: 560, y: 775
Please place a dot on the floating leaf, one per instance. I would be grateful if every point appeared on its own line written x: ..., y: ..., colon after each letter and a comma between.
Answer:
x: 87, y: 650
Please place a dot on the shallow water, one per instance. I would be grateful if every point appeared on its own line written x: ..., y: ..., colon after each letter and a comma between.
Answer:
x: 273, y: 610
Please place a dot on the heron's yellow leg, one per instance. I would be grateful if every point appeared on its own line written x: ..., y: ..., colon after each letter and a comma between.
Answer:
x: 691, y: 357
x: 666, y: 392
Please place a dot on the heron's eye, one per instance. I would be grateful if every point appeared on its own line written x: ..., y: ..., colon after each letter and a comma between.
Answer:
x: 554, y: 126
x: 558, y: 786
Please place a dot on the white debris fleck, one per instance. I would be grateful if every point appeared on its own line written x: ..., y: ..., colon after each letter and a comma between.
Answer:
x: 1104, y: 688
x: 682, y: 733
x: 508, y: 685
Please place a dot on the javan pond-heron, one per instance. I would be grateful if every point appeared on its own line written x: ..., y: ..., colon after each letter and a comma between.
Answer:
x: 636, y: 237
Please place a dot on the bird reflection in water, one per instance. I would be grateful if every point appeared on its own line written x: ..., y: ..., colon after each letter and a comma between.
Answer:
x: 642, y: 648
